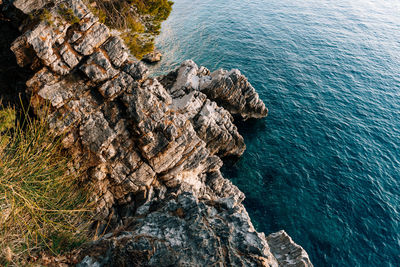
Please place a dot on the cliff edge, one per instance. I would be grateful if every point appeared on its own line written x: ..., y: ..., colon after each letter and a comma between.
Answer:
x: 151, y: 147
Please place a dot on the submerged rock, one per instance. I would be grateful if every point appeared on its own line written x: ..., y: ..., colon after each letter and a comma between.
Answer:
x: 151, y: 146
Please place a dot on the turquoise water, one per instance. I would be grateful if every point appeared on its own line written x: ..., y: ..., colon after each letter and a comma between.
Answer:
x: 324, y: 165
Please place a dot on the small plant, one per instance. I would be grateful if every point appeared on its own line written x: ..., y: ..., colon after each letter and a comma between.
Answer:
x: 7, y: 119
x: 98, y: 12
x: 41, y: 15
x: 42, y: 206
x: 7, y: 122
x: 67, y: 14
x: 46, y: 16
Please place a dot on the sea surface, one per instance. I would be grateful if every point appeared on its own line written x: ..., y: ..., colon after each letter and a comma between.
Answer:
x: 325, y: 164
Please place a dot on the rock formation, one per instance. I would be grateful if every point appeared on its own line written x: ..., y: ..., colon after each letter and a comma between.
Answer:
x: 229, y: 89
x: 184, y: 231
x: 152, y: 57
x: 286, y: 251
x: 151, y: 147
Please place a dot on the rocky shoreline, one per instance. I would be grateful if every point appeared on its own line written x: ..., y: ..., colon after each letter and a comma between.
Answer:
x: 151, y: 147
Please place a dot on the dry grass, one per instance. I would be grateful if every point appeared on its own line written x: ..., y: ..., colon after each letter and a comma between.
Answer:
x: 42, y: 207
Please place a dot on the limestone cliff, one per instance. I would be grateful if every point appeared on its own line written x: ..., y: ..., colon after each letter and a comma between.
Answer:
x: 151, y: 147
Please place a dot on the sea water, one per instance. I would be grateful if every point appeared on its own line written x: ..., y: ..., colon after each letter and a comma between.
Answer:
x: 325, y: 164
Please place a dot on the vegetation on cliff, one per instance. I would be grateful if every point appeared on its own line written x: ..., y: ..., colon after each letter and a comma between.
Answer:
x: 42, y: 207
x: 139, y: 20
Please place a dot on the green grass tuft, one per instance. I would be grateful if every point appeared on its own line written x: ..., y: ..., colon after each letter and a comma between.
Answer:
x: 42, y: 206
x: 7, y: 119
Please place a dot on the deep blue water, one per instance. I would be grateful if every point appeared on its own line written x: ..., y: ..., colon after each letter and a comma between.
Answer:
x: 324, y: 165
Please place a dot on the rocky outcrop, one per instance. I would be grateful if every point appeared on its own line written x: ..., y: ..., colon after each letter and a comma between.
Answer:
x: 184, y: 231
x: 213, y: 124
x: 151, y: 147
x: 229, y: 89
x: 287, y: 252
x: 152, y: 57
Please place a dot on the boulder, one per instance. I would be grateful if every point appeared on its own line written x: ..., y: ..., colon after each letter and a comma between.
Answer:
x: 152, y: 57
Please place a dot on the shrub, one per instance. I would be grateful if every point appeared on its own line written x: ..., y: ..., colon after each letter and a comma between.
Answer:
x: 137, y: 45
x: 129, y: 15
x: 134, y: 25
x: 46, y: 16
x: 42, y: 206
x: 158, y: 8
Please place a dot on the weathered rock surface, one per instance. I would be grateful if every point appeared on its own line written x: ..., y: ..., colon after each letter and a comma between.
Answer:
x: 27, y: 6
x: 286, y: 251
x: 184, y: 232
x: 151, y: 146
x: 229, y: 89
x: 212, y: 123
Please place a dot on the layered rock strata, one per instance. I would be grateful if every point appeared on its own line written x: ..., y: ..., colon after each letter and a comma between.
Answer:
x: 286, y: 251
x: 184, y: 231
x: 151, y: 147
